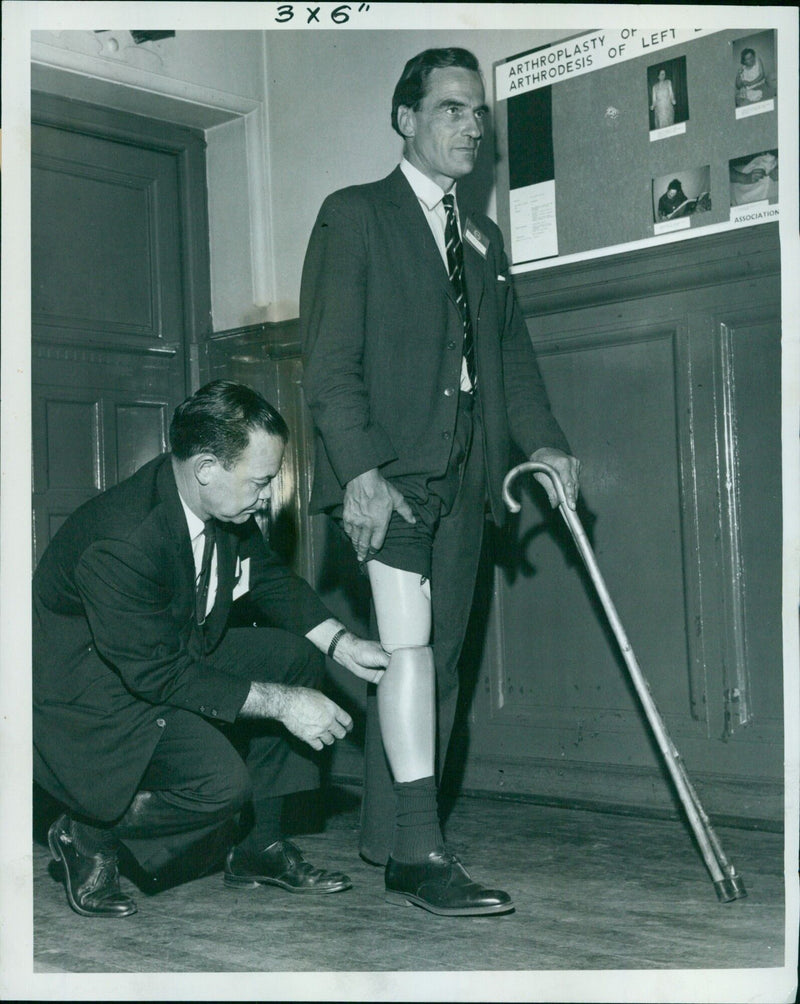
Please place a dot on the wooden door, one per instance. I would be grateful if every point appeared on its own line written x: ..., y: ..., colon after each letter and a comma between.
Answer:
x: 664, y: 369
x: 120, y: 295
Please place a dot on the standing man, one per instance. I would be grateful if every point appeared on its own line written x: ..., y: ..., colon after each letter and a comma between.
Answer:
x: 419, y: 373
x: 153, y: 722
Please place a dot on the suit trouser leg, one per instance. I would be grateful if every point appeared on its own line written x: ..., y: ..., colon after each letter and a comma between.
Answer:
x: 455, y: 557
x: 202, y: 774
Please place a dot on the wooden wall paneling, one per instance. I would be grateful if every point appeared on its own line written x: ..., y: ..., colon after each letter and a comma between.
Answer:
x: 747, y: 396
x: 748, y: 409
x: 563, y: 686
x: 664, y: 369
x: 267, y: 357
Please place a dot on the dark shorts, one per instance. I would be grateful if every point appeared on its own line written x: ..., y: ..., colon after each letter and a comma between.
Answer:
x: 408, y: 546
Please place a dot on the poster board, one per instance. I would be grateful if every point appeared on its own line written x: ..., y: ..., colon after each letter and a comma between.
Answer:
x: 616, y: 139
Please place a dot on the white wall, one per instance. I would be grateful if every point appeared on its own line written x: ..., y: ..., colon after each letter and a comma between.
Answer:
x: 208, y: 80
x: 289, y: 116
x: 329, y: 98
x: 226, y: 62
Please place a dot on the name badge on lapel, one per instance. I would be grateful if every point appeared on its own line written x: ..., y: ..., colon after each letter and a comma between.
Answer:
x: 476, y: 238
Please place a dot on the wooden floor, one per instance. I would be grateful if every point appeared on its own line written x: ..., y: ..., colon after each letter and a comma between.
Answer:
x: 592, y: 891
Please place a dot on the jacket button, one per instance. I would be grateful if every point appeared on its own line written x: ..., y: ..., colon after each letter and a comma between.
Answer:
x: 449, y: 391
x: 445, y: 435
x: 451, y: 345
x: 160, y: 723
x: 213, y: 712
x: 202, y: 709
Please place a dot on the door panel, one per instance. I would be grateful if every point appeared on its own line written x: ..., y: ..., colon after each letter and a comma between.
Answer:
x: 141, y: 429
x: 115, y: 231
x: 105, y: 240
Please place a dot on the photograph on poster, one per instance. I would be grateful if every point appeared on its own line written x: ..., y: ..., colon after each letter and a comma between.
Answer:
x: 679, y: 197
x: 754, y: 179
x: 756, y: 80
x: 669, y: 98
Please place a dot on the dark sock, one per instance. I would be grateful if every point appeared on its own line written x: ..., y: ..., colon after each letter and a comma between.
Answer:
x: 266, y: 829
x: 91, y: 840
x: 416, y: 826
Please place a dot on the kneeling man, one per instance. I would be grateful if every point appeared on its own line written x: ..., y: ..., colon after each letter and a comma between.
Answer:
x: 155, y: 721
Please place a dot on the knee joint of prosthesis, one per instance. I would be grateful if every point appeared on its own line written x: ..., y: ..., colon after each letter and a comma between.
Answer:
x: 409, y: 660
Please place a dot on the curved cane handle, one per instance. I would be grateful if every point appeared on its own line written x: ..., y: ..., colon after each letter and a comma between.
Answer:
x: 532, y: 465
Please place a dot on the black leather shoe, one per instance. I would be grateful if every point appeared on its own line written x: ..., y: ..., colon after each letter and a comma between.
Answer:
x: 281, y: 864
x: 91, y: 880
x: 442, y: 885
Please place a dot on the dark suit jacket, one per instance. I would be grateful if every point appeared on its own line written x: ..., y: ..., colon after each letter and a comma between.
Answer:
x: 115, y: 641
x: 382, y: 343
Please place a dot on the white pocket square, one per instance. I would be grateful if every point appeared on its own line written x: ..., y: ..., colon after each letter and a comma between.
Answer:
x: 242, y: 578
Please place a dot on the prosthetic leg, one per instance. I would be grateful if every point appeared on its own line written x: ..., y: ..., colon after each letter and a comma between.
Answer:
x: 419, y: 870
x: 407, y: 691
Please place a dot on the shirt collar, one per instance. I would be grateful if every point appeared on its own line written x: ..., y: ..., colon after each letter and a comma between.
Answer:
x: 195, y: 524
x: 427, y: 191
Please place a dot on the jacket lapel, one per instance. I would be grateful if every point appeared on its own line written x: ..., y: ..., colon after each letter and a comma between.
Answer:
x: 226, y: 556
x: 176, y: 524
x: 415, y: 227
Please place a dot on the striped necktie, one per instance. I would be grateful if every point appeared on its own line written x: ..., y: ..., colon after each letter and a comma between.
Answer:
x: 455, y: 272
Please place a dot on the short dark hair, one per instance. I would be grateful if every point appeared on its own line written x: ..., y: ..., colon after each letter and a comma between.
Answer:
x: 413, y: 83
x: 675, y: 183
x: 219, y: 418
x: 744, y: 53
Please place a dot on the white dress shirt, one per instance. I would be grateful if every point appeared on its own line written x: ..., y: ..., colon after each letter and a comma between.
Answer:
x: 430, y: 196
x: 196, y: 527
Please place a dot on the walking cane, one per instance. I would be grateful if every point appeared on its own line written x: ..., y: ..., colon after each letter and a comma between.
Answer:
x: 727, y: 883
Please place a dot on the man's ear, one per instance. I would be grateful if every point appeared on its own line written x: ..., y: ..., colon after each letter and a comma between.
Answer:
x: 406, y: 121
x: 203, y: 466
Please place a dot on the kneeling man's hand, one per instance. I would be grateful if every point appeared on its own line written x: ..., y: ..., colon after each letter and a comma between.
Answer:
x: 313, y: 717
x: 306, y: 713
x: 365, y: 659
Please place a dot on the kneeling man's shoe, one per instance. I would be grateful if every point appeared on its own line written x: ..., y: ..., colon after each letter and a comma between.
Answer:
x: 442, y: 885
x: 280, y: 864
x: 91, y: 880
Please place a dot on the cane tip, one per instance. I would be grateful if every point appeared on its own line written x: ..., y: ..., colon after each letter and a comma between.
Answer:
x: 729, y: 889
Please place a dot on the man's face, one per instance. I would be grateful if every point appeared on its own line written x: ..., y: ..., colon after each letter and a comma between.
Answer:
x: 443, y: 134
x: 749, y: 59
x: 234, y: 495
